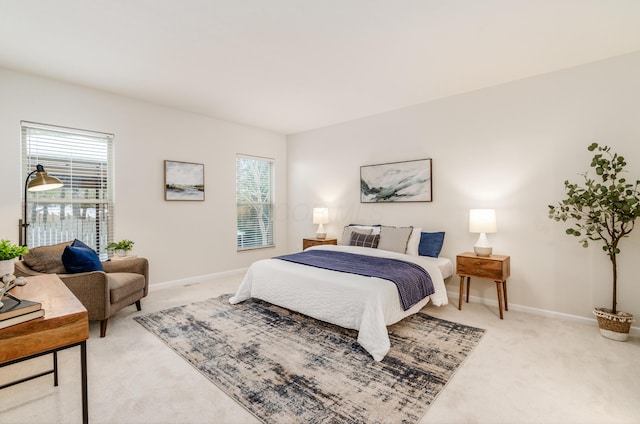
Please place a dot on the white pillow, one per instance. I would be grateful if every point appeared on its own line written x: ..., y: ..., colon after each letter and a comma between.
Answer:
x: 414, y: 242
x: 375, y: 229
x: 394, y: 239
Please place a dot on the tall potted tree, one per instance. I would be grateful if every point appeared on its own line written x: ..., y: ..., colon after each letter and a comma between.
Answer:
x: 603, y: 209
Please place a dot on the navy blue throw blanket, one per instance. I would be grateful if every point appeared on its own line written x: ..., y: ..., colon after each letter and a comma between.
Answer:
x: 412, y: 281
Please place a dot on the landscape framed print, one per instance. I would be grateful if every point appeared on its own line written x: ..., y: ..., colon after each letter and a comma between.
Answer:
x: 408, y: 181
x: 183, y: 180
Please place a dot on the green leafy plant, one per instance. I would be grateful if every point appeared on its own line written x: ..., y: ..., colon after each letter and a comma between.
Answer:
x: 125, y: 245
x: 10, y: 251
x: 603, y: 209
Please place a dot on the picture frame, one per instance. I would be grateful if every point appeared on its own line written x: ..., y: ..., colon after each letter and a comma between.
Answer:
x: 183, y: 181
x: 407, y: 181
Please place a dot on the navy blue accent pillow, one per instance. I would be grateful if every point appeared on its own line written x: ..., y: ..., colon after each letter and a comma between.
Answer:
x: 78, y: 243
x: 430, y: 244
x: 80, y: 258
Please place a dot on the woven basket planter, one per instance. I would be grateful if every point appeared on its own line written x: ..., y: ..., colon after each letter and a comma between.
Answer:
x: 614, y: 327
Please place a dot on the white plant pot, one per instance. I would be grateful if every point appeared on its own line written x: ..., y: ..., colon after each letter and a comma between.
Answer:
x: 7, y: 266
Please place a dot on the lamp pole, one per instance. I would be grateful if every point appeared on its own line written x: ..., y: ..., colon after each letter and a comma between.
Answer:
x: 23, y: 222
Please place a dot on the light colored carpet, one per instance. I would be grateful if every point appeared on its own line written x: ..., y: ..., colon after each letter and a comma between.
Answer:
x: 527, y: 369
x: 285, y: 367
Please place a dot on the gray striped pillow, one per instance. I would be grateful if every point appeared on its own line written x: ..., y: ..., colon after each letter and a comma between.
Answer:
x: 348, y: 230
x: 364, y: 240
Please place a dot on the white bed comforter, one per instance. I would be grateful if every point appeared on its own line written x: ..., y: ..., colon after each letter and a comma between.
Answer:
x: 366, y: 304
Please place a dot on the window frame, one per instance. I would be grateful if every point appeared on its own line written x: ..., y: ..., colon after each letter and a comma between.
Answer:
x: 270, y: 204
x: 84, y: 161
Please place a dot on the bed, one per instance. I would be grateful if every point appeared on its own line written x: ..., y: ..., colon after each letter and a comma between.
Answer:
x: 366, y: 304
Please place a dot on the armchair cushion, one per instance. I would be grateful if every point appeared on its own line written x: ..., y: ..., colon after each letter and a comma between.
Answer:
x: 124, y: 284
x: 46, y: 259
x: 80, y: 258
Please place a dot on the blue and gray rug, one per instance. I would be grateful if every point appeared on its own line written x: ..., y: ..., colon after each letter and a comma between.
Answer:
x: 285, y: 367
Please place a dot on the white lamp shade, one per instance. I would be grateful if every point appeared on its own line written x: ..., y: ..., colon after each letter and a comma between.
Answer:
x: 482, y: 221
x: 320, y: 215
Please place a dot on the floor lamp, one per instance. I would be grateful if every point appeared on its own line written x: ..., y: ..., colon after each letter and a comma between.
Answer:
x: 41, y: 182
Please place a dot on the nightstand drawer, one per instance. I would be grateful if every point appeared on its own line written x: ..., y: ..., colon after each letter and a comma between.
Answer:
x: 484, y: 267
x: 308, y: 242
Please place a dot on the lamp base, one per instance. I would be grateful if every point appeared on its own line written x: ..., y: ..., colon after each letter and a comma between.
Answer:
x: 320, y: 233
x: 482, y: 246
x: 482, y: 251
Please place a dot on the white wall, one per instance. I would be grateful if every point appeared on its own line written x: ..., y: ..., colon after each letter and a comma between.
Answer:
x: 180, y: 239
x: 509, y: 147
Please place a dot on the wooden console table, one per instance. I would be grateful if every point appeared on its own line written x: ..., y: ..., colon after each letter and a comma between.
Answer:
x: 65, y: 324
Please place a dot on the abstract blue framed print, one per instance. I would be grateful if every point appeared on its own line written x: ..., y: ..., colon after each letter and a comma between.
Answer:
x: 408, y: 181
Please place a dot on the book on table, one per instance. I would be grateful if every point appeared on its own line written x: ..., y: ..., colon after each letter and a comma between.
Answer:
x: 21, y: 318
x: 15, y: 311
x: 11, y: 307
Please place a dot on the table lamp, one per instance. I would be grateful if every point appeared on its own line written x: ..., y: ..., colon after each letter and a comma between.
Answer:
x: 482, y: 221
x: 320, y: 217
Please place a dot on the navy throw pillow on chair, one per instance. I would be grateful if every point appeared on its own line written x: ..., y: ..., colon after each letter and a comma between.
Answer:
x: 78, y: 257
x: 79, y: 243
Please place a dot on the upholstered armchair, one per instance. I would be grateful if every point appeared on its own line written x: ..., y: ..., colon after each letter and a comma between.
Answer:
x: 103, y: 293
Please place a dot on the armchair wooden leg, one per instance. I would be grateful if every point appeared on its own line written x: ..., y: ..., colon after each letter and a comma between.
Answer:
x: 103, y: 327
x: 138, y: 305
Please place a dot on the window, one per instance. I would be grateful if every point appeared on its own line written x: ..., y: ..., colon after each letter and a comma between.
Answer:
x: 254, y: 198
x: 83, y: 208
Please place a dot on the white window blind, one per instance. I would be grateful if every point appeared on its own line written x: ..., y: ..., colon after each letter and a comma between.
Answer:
x: 255, y: 199
x: 83, y: 207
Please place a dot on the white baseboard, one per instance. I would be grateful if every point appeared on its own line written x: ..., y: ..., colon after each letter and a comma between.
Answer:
x: 635, y: 331
x: 181, y: 282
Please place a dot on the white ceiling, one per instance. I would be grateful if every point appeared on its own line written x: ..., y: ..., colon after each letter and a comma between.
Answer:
x: 296, y: 65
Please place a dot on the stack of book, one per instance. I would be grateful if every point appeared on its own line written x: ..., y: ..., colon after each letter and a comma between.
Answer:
x: 15, y: 311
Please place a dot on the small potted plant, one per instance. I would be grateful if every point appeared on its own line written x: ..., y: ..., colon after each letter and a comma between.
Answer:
x: 122, y: 247
x: 8, y: 253
x: 604, y: 209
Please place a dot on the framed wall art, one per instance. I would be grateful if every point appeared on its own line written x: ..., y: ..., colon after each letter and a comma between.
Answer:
x: 408, y: 181
x: 183, y: 180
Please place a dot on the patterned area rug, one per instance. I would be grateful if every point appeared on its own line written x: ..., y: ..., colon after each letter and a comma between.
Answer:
x: 285, y: 367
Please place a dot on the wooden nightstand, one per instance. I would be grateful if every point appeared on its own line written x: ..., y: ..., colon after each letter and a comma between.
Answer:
x: 308, y: 242
x: 494, y: 267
